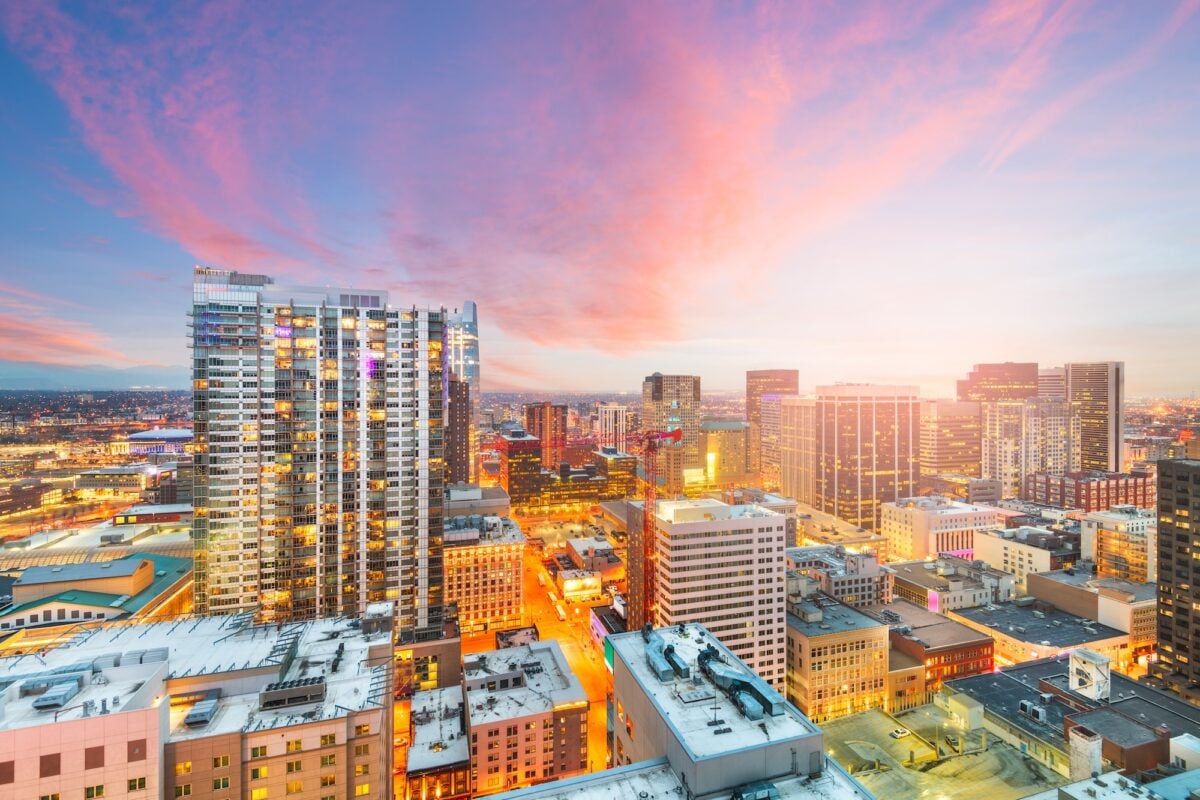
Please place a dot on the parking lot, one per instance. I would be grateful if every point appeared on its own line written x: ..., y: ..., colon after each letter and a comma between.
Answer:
x: 913, y: 768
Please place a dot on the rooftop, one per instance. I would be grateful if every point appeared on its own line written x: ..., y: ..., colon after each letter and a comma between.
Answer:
x: 928, y: 628
x: 706, y: 509
x: 1034, y: 537
x: 936, y: 504
x: 1085, y: 579
x: 689, y: 705
x: 937, y: 575
x: 439, y: 737
x: 820, y: 615
x: 1046, y: 626
x: 1115, y: 726
x: 168, y: 571
x: 600, y: 544
x: 539, y: 678
x: 155, y: 434
x: 162, y: 508
x: 1177, y: 787
x: 480, y: 529
x: 128, y: 469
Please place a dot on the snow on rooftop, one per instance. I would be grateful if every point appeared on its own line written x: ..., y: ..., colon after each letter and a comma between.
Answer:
x: 439, y: 739
x: 538, y: 680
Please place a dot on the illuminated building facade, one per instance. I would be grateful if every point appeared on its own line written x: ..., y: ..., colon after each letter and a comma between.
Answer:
x: 462, y: 359
x: 611, y: 475
x: 520, y: 465
x: 951, y: 438
x: 1096, y: 392
x: 770, y: 440
x: 865, y: 444
x: 612, y: 425
x: 483, y: 562
x: 1178, y: 666
x: 925, y: 527
x: 725, y: 446
x: 1092, y: 490
x: 1122, y: 542
x: 672, y: 402
x: 797, y: 448
x: 1052, y: 382
x: 459, y: 430
x: 1025, y: 437
x: 548, y: 422
x: 762, y: 383
x: 318, y: 452
x: 991, y: 383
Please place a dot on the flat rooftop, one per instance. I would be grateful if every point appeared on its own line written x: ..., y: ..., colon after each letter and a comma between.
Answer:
x: 548, y: 682
x: 1093, y: 582
x: 688, y: 705
x: 926, y: 575
x: 157, y: 508
x: 706, y: 509
x: 168, y: 571
x: 439, y: 737
x: 931, y: 629
x: 820, y: 615
x: 938, y: 505
x: 1051, y: 628
x: 655, y: 780
x: 482, y: 529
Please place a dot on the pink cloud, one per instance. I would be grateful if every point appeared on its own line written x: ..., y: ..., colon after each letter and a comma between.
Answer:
x: 30, y: 332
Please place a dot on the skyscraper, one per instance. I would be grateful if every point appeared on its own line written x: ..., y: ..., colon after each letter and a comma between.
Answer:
x: 462, y: 359
x: 866, y: 442
x: 671, y: 402
x: 1052, y: 382
x: 612, y: 426
x: 725, y: 447
x: 951, y: 437
x: 797, y: 448
x: 318, y: 465
x: 458, y: 430
x: 988, y: 383
x: 1097, y: 395
x: 770, y: 462
x: 759, y: 384
x: 1023, y: 437
x: 548, y: 422
x: 1178, y: 664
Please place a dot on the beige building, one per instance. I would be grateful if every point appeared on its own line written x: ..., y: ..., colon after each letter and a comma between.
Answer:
x: 1025, y: 550
x: 951, y: 436
x: 856, y: 579
x: 1118, y: 603
x: 837, y: 659
x: 482, y: 562
x: 527, y: 717
x: 924, y: 527
x: 1122, y: 542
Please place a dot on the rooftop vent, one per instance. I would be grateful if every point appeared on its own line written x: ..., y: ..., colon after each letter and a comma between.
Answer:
x: 283, y: 694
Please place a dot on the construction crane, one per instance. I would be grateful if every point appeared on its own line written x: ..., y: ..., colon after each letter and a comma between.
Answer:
x: 651, y: 441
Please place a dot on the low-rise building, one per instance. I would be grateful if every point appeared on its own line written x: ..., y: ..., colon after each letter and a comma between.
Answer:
x: 856, y: 579
x: 439, y: 746
x: 483, y: 561
x: 526, y: 715
x: 1024, y: 550
x: 814, y: 526
x: 945, y: 649
x: 969, y: 489
x: 468, y: 499
x: 1092, y: 490
x: 596, y: 554
x: 110, y: 481
x: 1032, y: 630
x: 1122, y: 542
x: 1121, y: 604
x: 950, y: 583
x: 837, y: 659
x: 923, y: 527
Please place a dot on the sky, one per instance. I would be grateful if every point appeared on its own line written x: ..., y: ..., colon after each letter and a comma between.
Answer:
x: 884, y: 192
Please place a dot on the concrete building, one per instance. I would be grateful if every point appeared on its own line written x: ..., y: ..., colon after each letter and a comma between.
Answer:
x: 439, y: 747
x: 1096, y: 392
x: 484, y: 563
x: 951, y: 437
x: 526, y: 713
x: 816, y: 527
x: 131, y: 479
x: 467, y: 499
x: 944, y: 649
x: 797, y: 448
x: 1118, y: 603
x: 1122, y: 542
x: 837, y: 659
x: 856, y: 579
x: 1178, y: 666
x: 548, y: 422
x: 328, y: 402
x: 748, y: 495
x: 951, y: 582
x: 918, y: 528
x: 1052, y: 382
x: 722, y: 566
x: 1092, y: 490
x: 672, y: 402
x: 762, y: 383
x: 1025, y: 437
x: 612, y: 426
x: 204, y: 707
x: 1025, y: 550
x: 596, y: 554
x: 1038, y: 630
x: 724, y: 450
x: 976, y: 491
x: 770, y: 440
x: 990, y: 383
x: 460, y: 430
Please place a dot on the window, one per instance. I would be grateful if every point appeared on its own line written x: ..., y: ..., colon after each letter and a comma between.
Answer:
x: 258, y: 773
x: 93, y: 791
x: 221, y: 783
x: 183, y: 768
x: 362, y: 730
x: 362, y: 790
x: 137, y: 783
x: 362, y: 749
x: 220, y: 761
x: 329, y: 760
x: 258, y: 752
x: 328, y: 739
x: 184, y: 790
x: 295, y: 766
x: 93, y: 757
x: 328, y: 780
x: 362, y: 769
x: 295, y: 787
x: 258, y: 794
x: 295, y: 746
x: 49, y: 796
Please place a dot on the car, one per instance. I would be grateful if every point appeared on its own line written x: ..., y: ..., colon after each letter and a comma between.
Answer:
x: 953, y: 741
x: 900, y: 733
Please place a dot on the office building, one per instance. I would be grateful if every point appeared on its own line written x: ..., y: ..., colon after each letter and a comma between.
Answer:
x: 856, y: 579
x: 610, y: 475
x: 944, y: 649
x: 1096, y: 392
x: 462, y: 360
x: 761, y: 383
x: 866, y: 443
x: 924, y: 527
x: 318, y: 451
x: 837, y: 659
x: 1122, y: 542
x: 527, y: 716
x: 724, y: 447
x: 770, y: 439
x: 951, y: 438
x: 976, y: 491
x: 672, y: 402
x: 991, y: 383
x: 483, y: 559
x: 204, y: 707
x: 797, y: 448
x: 612, y: 426
x: 1052, y: 382
x: 548, y: 422
x: 1025, y: 550
x: 459, y: 430
x: 951, y: 582
x: 1022, y: 438
x: 1178, y: 666
x: 1092, y: 490
x: 736, y: 589
x: 520, y: 465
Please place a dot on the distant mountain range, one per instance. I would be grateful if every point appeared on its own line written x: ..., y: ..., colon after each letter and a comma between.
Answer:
x: 50, y: 377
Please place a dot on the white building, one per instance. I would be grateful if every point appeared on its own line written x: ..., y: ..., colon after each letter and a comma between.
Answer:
x: 723, y: 566
x: 612, y: 426
x: 1023, y: 437
x: 1024, y: 550
x: 923, y: 527
x: 1122, y: 542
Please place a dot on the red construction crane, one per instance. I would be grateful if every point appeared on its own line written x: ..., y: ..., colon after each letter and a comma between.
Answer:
x: 651, y: 441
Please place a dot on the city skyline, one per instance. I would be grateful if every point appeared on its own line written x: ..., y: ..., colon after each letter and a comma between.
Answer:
x: 686, y: 194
